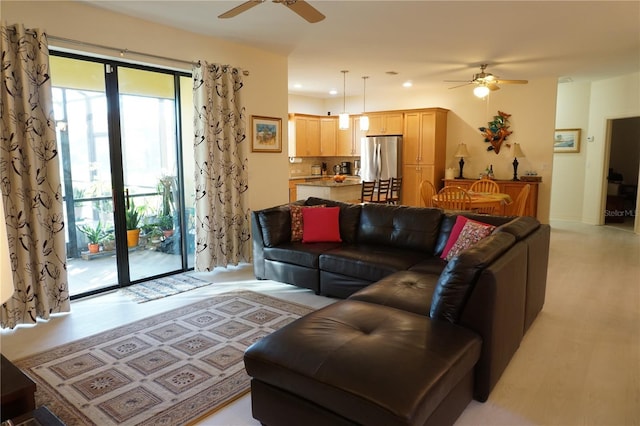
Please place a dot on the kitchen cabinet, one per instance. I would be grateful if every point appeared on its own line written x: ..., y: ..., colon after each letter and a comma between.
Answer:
x: 412, y: 177
x: 349, y: 139
x: 510, y: 187
x: 388, y: 123
x: 293, y: 190
x: 424, y: 143
x: 328, y: 136
x: 304, y: 136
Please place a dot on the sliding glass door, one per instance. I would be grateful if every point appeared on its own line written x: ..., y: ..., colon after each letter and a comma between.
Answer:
x: 119, y: 130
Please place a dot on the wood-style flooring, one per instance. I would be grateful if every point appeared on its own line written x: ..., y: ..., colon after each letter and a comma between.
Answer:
x: 579, y: 363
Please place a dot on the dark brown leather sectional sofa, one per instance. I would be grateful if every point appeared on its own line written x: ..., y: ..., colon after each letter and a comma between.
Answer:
x: 416, y: 337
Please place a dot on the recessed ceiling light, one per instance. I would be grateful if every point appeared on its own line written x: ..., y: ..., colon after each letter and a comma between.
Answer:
x: 407, y: 84
x: 333, y: 92
x: 297, y: 86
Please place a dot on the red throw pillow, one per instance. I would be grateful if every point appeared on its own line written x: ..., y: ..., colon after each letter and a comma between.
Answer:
x: 297, y: 224
x: 321, y: 225
x: 471, y: 233
x: 453, y: 236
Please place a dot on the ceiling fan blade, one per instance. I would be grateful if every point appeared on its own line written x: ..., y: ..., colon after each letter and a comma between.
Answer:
x: 512, y: 81
x: 304, y: 9
x: 493, y: 86
x: 239, y: 9
x: 460, y: 85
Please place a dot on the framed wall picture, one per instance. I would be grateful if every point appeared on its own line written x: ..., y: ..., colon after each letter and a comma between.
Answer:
x: 266, y: 134
x: 566, y: 140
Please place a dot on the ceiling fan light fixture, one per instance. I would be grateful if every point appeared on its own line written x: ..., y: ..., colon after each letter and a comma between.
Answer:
x: 364, y: 120
x: 481, y: 91
x: 343, y: 118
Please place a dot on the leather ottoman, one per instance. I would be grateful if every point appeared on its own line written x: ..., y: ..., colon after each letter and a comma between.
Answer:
x: 355, y: 362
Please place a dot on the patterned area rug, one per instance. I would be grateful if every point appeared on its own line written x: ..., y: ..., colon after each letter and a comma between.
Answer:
x: 163, y: 287
x: 169, y: 369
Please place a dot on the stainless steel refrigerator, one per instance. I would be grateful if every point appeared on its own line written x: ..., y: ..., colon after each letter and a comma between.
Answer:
x: 381, y: 157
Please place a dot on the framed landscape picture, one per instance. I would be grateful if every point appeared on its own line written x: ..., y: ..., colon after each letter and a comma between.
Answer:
x: 266, y: 134
x: 566, y: 140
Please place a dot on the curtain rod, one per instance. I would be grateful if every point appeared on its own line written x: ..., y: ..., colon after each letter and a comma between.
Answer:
x: 126, y: 51
x: 121, y: 51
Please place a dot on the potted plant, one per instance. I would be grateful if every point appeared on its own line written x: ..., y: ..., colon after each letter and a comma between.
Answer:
x: 95, y: 235
x: 132, y: 216
x: 165, y: 222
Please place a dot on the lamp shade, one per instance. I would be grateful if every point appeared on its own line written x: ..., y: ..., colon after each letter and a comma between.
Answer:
x: 516, y: 151
x: 481, y: 91
x: 462, y: 152
x: 6, y: 274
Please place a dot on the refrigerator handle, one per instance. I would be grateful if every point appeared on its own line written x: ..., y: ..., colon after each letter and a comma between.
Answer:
x: 378, y: 161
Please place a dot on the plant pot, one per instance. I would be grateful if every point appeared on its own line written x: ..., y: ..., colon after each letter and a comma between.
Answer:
x: 167, y: 233
x: 133, y: 236
x: 94, y: 248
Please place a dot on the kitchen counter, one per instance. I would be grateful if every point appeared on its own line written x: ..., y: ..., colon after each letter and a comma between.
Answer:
x: 347, y: 191
x: 316, y: 177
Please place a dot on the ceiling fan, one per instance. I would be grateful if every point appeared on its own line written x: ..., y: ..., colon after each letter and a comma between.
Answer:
x: 485, y: 79
x: 301, y: 7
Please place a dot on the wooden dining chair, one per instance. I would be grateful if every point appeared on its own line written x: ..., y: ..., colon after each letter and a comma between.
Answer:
x: 484, y: 185
x: 394, y: 190
x: 367, y: 190
x: 521, y: 200
x: 453, y: 198
x: 427, y: 191
x: 382, y: 191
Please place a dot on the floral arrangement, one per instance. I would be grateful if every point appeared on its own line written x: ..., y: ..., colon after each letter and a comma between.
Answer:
x: 497, y: 131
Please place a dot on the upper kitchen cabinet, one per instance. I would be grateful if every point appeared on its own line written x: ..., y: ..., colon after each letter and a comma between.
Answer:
x: 388, y: 123
x: 304, y: 136
x: 349, y: 139
x: 328, y: 136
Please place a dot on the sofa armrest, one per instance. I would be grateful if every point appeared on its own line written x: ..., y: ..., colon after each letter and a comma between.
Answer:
x: 495, y: 310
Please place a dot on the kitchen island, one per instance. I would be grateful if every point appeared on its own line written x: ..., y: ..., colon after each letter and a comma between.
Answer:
x: 347, y: 191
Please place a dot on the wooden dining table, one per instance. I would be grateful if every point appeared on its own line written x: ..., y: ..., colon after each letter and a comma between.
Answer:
x: 480, y: 200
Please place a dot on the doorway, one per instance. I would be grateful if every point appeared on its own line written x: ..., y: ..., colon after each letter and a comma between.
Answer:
x: 623, y: 170
x: 119, y: 130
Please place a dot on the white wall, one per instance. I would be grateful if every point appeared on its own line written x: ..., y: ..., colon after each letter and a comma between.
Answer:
x: 569, y: 168
x: 265, y: 91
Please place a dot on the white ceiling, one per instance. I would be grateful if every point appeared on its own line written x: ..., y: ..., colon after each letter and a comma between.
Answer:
x: 425, y: 42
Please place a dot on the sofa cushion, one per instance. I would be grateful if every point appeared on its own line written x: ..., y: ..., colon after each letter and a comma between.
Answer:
x: 399, y: 226
x: 453, y: 236
x: 321, y: 225
x: 407, y: 290
x: 369, y: 262
x: 430, y: 265
x: 471, y: 233
x: 297, y: 224
x: 275, y: 224
x: 349, y: 217
x: 298, y: 253
x: 367, y: 363
x: 461, y: 273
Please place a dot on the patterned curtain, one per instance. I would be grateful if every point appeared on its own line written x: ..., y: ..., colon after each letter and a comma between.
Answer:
x: 30, y: 180
x: 222, y: 216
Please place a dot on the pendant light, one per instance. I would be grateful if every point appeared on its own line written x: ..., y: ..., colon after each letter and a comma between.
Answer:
x: 343, y: 119
x: 364, y: 120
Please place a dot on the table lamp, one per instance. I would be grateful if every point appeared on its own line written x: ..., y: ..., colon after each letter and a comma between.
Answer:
x: 516, y: 151
x: 461, y: 153
x: 6, y: 275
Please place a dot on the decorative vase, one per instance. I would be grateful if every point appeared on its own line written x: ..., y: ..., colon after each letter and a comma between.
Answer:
x: 133, y: 235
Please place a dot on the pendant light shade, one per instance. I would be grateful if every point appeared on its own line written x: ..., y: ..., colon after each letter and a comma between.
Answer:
x: 364, y: 120
x: 343, y: 118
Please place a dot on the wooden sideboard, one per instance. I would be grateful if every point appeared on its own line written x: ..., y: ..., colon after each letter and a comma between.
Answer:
x: 511, y: 187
